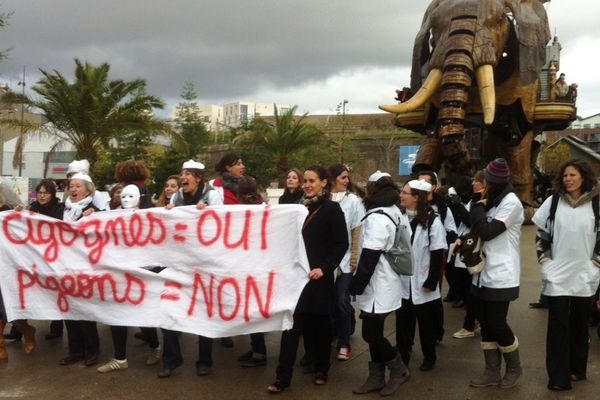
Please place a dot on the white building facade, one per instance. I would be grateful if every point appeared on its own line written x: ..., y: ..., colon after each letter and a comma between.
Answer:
x: 241, y: 112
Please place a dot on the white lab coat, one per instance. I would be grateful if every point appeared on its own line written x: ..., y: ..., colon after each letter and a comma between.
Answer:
x: 354, y: 211
x: 383, y: 294
x: 422, y: 245
x: 571, y: 271
x: 502, y: 264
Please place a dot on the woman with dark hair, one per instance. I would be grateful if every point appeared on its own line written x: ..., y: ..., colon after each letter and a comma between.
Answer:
x: 497, y: 219
x: 421, y: 291
x: 231, y: 168
x: 568, y: 251
x: 171, y: 186
x: 84, y: 344
x: 135, y: 172
x: 115, y: 196
x: 354, y: 211
x: 293, y: 187
x: 48, y: 204
x: 378, y: 287
x: 194, y: 191
x: 326, y: 242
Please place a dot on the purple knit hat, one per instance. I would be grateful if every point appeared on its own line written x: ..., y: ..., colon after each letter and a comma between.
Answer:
x: 497, y: 171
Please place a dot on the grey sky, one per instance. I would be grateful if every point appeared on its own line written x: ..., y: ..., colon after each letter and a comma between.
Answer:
x: 311, y: 53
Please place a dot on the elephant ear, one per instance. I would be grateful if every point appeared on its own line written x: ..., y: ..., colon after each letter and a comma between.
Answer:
x: 421, y: 53
x: 533, y: 33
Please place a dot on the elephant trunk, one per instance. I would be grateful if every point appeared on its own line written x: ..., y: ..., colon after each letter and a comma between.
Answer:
x: 456, y: 82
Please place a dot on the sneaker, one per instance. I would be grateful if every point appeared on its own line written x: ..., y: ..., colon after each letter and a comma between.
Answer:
x: 246, y: 356
x: 113, y: 365
x: 254, y: 361
x: 344, y: 353
x: 463, y: 333
x: 154, y: 357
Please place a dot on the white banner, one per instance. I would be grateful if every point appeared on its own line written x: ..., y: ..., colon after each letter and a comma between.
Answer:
x: 227, y: 270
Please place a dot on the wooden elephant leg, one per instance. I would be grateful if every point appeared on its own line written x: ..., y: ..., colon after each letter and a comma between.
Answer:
x: 520, y: 163
x: 429, y: 156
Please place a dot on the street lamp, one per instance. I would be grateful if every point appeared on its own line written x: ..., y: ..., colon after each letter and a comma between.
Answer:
x: 342, y: 106
x: 22, y: 84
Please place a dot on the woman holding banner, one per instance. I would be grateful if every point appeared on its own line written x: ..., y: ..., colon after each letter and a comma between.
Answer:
x: 326, y: 241
x: 84, y: 344
x: 194, y: 191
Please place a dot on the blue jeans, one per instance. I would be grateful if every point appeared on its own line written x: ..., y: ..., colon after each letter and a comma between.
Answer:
x: 344, y: 310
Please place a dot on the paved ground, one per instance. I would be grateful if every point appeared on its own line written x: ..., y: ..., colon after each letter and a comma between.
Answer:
x: 38, y: 376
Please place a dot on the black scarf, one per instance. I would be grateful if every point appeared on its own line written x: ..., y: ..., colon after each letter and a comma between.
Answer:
x: 496, y: 193
x: 230, y: 182
x: 386, y: 197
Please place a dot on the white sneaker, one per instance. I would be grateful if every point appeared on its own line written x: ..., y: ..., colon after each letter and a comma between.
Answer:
x: 344, y: 353
x: 154, y: 356
x: 462, y: 334
x: 113, y: 365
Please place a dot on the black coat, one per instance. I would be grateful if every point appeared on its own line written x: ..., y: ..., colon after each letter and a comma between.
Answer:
x: 326, y: 241
x: 54, y: 209
x: 291, y: 198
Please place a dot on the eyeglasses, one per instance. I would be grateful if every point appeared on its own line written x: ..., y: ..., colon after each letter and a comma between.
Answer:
x: 40, y: 193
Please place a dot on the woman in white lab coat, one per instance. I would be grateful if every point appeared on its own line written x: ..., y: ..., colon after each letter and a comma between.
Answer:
x: 565, y: 246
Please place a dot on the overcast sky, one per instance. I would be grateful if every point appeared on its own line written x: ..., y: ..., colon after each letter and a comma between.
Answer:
x: 312, y: 53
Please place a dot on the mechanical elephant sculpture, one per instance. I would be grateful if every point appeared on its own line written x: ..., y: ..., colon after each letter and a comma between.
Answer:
x: 477, y: 63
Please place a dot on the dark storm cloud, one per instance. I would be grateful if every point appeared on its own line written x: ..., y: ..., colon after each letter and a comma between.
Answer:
x: 252, y: 49
x: 228, y: 48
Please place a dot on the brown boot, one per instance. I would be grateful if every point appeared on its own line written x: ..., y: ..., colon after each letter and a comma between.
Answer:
x: 3, y: 353
x: 28, y: 332
x: 376, y: 380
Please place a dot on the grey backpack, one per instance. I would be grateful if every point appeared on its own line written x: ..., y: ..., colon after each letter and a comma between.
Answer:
x: 399, y: 255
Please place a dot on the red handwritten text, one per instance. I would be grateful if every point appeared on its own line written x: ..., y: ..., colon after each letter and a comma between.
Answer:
x: 81, y: 285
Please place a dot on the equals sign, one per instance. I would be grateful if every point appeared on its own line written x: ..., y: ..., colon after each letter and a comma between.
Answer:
x: 170, y: 295
x: 179, y: 228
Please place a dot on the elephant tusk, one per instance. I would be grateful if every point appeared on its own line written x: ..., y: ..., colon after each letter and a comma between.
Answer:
x: 429, y: 87
x: 487, y: 92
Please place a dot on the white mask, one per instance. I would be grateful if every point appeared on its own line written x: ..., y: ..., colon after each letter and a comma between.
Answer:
x: 130, y: 196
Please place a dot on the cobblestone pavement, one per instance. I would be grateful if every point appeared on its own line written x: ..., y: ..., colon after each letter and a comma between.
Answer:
x: 39, y: 376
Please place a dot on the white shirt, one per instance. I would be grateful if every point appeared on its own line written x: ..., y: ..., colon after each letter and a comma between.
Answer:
x: 354, y: 211
x: 503, y: 259
x: 462, y: 230
x: 571, y: 271
x: 425, y: 241
x: 383, y: 294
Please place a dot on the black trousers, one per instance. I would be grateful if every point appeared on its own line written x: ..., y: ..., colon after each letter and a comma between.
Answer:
x: 407, y: 317
x: 462, y: 282
x: 567, y: 338
x: 172, y: 357
x: 257, y: 342
x: 83, y: 338
x: 119, y: 339
x: 316, y: 330
x: 492, y: 318
x: 372, y: 332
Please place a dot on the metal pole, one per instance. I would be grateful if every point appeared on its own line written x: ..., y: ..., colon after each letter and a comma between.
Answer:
x: 22, y: 83
x: 344, y: 102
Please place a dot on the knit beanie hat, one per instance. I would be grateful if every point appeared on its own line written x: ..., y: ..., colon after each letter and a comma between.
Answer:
x: 497, y: 171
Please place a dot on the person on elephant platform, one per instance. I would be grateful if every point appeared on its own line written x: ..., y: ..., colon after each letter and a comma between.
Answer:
x: 497, y: 219
x: 561, y: 88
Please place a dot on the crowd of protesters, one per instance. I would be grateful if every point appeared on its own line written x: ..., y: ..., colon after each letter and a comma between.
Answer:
x: 348, y: 236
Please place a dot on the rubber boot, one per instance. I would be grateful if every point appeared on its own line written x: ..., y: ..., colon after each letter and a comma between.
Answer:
x: 28, y: 332
x: 491, y: 376
x: 398, y: 375
x: 375, y: 381
x: 3, y: 353
x: 513, y: 365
